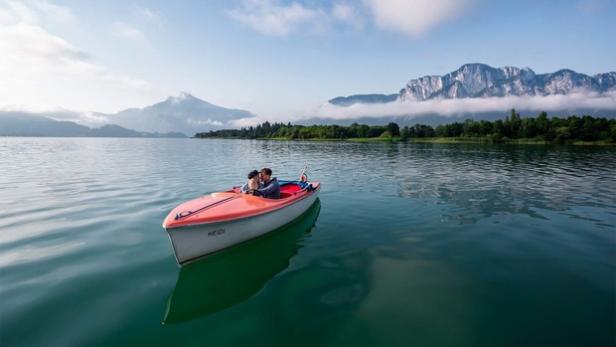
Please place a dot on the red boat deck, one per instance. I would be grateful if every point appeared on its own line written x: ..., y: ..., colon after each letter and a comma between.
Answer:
x: 229, y: 205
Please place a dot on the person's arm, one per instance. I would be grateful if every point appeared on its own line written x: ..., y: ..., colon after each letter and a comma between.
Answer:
x: 270, y: 189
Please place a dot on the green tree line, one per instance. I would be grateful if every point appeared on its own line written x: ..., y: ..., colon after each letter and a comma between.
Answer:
x: 542, y: 127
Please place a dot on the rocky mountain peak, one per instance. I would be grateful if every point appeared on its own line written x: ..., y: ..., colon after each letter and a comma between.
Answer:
x: 476, y: 80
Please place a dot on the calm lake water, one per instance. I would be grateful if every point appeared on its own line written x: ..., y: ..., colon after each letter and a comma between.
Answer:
x: 410, y: 244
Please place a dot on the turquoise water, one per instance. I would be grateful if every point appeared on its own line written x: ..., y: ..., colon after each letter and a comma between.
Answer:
x: 410, y: 244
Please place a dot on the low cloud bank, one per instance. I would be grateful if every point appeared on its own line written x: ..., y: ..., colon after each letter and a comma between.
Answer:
x: 563, y: 104
x: 204, y: 122
x: 450, y: 107
x: 453, y: 107
x: 89, y: 119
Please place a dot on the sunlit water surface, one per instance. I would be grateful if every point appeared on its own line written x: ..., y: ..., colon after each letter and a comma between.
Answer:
x: 425, y: 245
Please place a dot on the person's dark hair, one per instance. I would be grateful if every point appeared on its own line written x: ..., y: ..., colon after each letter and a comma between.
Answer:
x: 267, y: 171
x: 253, y: 174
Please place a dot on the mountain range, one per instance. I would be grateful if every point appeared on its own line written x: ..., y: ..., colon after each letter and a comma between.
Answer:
x: 186, y: 114
x: 177, y: 116
x: 183, y: 113
x: 481, y: 81
x: 25, y: 124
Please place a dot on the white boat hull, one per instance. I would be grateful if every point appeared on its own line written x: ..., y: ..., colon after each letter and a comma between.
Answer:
x: 193, y: 242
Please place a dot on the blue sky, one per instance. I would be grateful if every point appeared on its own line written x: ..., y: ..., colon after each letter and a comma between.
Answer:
x: 278, y: 57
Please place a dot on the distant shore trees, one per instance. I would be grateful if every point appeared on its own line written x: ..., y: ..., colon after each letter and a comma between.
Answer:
x: 554, y: 129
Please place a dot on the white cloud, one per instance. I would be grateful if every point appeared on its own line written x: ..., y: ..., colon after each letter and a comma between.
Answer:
x: 26, y: 49
x: 414, y: 17
x: 271, y: 18
x: 149, y: 15
x: 127, y: 32
x: 343, y: 12
x: 347, y: 14
x: 91, y: 119
x: 204, y: 122
x: 246, y: 122
x: 18, y: 11
x: 410, y: 17
x: 43, y: 70
x: 445, y: 107
x: 33, y: 11
x: 53, y: 11
x: 453, y: 107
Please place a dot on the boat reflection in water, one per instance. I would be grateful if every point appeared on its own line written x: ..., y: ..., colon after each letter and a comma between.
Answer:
x: 234, y: 275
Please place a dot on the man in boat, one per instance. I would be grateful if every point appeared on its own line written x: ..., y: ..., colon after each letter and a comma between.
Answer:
x: 270, y: 188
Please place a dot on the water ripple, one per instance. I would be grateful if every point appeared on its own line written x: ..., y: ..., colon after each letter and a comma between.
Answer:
x: 80, y: 221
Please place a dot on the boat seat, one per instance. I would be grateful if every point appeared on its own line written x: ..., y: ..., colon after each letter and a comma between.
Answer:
x: 289, y: 188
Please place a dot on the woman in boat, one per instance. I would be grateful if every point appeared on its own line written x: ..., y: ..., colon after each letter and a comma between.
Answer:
x: 253, y: 182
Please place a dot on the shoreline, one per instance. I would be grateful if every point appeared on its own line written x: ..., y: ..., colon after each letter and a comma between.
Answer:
x: 433, y: 140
